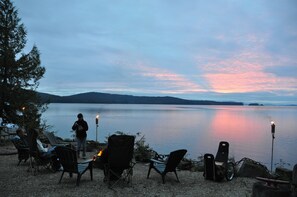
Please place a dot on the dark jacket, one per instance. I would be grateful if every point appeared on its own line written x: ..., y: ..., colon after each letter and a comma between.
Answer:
x: 81, y: 127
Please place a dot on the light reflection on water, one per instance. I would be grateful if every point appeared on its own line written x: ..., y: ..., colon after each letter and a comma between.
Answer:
x: 196, y: 128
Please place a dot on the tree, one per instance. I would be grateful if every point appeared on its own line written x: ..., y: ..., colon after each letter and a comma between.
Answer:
x: 19, y: 72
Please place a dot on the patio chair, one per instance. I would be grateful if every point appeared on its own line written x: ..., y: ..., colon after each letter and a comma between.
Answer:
x: 54, y: 141
x: 119, y: 164
x: 23, y: 150
x: 68, y: 160
x: 37, y: 159
x: 217, y: 168
x: 169, y: 165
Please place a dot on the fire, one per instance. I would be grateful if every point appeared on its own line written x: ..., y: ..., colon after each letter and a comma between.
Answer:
x: 100, y: 153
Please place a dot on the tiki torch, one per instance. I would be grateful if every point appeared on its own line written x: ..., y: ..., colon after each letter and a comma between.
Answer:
x: 97, y: 121
x: 272, y: 135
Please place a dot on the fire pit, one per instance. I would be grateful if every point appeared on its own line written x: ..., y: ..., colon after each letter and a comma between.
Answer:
x: 97, y: 160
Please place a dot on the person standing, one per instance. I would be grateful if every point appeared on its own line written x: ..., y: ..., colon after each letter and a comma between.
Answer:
x: 80, y: 127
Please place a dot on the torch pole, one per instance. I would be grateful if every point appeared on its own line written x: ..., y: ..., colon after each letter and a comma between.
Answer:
x: 272, y: 135
x: 97, y: 121
x: 272, y: 154
x: 23, y: 108
x: 96, y: 133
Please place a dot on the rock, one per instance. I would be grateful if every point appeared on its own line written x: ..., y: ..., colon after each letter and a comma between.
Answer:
x: 260, y: 189
x: 250, y: 168
x: 283, y: 173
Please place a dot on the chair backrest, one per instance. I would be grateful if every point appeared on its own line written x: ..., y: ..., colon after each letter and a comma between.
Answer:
x: 18, y: 143
x: 209, y: 167
x: 51, y: 138
x: 120, y: 151
x: 223, y: 152
x: 67, y: 158
x: 174, y: 159
x: 294, y: 176
x: 32, y: 136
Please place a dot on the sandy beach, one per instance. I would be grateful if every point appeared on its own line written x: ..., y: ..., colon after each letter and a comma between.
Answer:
x: 16, y: 181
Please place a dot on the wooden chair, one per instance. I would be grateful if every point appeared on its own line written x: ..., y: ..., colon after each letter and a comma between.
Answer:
x: 68, y: 160
x: 119, y: 164
x: 54, y: 141
x: 37, y: 159
x: 169, y: 165
x: 23, y: 150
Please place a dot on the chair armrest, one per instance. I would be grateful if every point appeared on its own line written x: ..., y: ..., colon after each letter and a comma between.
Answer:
x: 160, y: 157
x: 156, y: 161
x: 86, y: 161
x: 24, y: 148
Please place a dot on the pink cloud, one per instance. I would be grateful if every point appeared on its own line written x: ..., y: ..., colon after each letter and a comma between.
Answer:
x: 246, y: 73
x: 176, y: 83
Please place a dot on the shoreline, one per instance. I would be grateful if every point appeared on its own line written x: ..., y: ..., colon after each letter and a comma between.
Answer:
x: 16, y: 181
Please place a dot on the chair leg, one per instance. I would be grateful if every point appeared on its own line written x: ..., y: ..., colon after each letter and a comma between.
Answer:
x: 163, y: 178
x: 108, y: 178
x: 176, y: 175
x: 91, y: 172
x: 149, y: 171
x: 78, y: 179
x: 61, y: 176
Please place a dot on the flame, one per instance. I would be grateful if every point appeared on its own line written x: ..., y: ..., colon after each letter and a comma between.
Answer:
x: 100, y: 153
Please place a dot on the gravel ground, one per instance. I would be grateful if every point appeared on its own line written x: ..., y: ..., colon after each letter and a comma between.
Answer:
x: 16, y: 181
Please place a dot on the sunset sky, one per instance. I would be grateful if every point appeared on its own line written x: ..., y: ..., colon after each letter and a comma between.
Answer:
x: 224, y: 50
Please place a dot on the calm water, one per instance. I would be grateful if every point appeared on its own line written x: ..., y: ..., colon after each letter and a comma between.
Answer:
x: 196, y: 128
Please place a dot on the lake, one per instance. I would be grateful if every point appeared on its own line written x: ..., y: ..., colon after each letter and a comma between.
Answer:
x: 198, y: 128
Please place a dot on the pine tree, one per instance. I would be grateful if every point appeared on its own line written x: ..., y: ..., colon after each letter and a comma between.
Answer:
x: 19, y: 72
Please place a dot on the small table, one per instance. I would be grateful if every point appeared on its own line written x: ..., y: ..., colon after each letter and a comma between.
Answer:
x: 272, y: 182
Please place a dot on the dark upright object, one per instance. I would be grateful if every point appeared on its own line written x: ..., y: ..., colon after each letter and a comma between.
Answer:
x: 209, y: 167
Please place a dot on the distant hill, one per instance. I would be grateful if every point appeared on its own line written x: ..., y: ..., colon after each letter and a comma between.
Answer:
x: 96, y: 97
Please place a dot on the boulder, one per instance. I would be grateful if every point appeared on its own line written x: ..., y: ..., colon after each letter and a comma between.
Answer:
x: 251, y: 168
x: 260, y: 189
x: 283, y: 173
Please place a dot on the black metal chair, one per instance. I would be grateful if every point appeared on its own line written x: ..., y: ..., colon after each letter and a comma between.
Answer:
x: 169, y: 165
x: 68, y: 160
x: 219, y: 167
x: 119, y: 164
